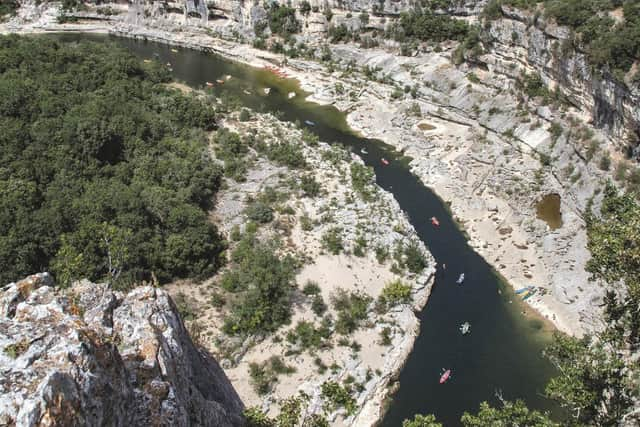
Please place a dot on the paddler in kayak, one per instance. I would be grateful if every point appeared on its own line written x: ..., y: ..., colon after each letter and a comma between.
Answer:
x: 445, y: 376
x: 435, y: 221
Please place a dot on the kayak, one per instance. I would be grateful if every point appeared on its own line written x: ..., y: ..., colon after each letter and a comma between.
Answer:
x: 460, y: 279
x: 364, y: 151
x: 529, y: 295
x: 309, y: 122
x: 435, y: 221
x: 209, y: 84
x: 174, y: 50
x: 465, y: 328
x: 384, y: 161
x: 523, y: 290
x: 445, y: 376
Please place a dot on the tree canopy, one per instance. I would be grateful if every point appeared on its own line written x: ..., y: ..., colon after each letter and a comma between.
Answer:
x: 104, y: 171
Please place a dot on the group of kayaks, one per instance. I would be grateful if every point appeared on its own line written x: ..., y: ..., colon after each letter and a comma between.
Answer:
x: 465, y: 328
x: 219, y: 81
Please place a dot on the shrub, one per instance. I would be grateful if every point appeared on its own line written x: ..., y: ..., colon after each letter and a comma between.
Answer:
x: 605, y: 162
x: 286, y: 154
x: 332, y: 240
x: 305, y: 223
x: 245, y: 115
x: 352, y: 308
x: 414, y: 260
x: 311, y: 288
x: 309, y: 186
x: 382, y: 254
x: 282, y: 20
x: 385, y: 336
x: 361, y: 180
x: 267, y: 283
x: 318, y: 305
x: 308, y: 337
x: 259, y: 212
x: 394, y: 293
x: 338, y: 396
x: 265, y: 375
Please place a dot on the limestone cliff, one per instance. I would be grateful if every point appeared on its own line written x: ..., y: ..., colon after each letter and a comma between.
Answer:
x: 91, y: 356
x: 524, y: 41
x: 517, y: 41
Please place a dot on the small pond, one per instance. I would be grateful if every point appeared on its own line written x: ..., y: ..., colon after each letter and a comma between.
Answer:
x: 548, y: 210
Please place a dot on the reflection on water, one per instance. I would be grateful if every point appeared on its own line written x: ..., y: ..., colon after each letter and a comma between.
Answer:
x: 503, y: 350
x: 548, y: 210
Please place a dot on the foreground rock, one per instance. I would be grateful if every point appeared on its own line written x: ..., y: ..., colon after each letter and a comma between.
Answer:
x: 91, y: 356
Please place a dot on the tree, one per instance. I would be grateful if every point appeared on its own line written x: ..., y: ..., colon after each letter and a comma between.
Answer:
x: 68, y: 265
x: 422, y: 421
x: 592, y: 381
x: 510, y: 414
x: 104, y: 174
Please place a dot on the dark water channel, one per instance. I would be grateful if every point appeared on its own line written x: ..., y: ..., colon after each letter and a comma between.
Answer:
x: 503, y: 350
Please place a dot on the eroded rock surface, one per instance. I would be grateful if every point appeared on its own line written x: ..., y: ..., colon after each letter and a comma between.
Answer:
x: 91, y: 356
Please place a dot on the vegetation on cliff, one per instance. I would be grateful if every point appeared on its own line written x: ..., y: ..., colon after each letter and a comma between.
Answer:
x: 105, y: 172
x: 608, y: 41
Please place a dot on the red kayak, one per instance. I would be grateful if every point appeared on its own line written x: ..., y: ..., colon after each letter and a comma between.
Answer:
x: 384, y: 161
x: 435, y: 221
x: 445, y: 376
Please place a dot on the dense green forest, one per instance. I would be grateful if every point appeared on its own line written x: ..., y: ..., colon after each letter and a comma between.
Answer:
x: 104, y: 171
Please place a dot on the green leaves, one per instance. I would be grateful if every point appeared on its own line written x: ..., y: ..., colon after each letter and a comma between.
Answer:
x: 91, y: 138
x: 266, y: 283
x: 511, y: 414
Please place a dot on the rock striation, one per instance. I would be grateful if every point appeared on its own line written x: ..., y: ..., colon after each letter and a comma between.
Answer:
x: 92, y: 356
x: 536, y: 44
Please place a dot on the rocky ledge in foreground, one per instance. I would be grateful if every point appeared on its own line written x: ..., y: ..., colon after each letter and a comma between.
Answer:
x: 91, y: 356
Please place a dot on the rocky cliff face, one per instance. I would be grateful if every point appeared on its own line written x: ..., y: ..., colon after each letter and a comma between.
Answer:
x: 91, y: 356
x: 520, y: 41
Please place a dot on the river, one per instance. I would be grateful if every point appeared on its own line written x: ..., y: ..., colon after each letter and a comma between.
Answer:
x: 503, y: 352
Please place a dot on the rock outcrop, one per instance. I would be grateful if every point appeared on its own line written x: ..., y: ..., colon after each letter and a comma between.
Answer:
x: 522, y: 40
x: 91, y: 356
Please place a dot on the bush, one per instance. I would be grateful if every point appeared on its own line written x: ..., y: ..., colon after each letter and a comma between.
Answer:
x: 286, y: 154
x: 245, y: 115
x: 332, y: 240
x: 305, y: 223
x: 309, y: 186
x: 267, y: 283
x: 338, y: 396
x: 395, y: 293
x: 265, y: 375
x: 605, y: 162
x: 362, y: 179
x: 259, y: 212
x: 385, y: 336
x: 308, y: 337
x: 352, y: 309
x: 318, y: 305
x: 282, y: 20
x: 428, y: 26
x: 414, y: 260
x: 311, y: 288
